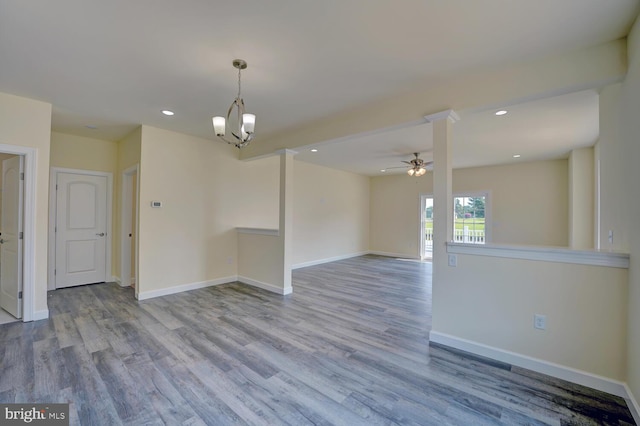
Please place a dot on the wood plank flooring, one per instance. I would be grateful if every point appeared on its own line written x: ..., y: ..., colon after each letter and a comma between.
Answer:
x: 349, y: 347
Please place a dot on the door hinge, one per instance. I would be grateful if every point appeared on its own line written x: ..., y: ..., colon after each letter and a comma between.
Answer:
x: 56, y: 186
x: 19, y: 295
x: 21, y: 175
x: 55, y: 271
x: 21, y: 235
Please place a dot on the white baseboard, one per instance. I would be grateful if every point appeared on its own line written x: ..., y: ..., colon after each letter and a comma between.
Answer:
x: 632, y: 403
x: 551, y: 369
x: 265, y: 286
x: 387, y: 254
x: 185, y: 287
x: 328, y: 259
x: 117, y: 280
x: 40, y: 315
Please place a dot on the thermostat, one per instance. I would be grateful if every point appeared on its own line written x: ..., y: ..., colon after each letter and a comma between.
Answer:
x: 156, y: 204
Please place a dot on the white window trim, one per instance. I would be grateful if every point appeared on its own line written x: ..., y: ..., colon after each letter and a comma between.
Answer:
x: 488, y: 218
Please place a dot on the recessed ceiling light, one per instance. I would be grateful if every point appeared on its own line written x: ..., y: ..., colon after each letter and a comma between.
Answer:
x: 383, y: 170
x: 501, y: 112
x: 314, y: 150
x: 516, y: 155
x: 167, y: 112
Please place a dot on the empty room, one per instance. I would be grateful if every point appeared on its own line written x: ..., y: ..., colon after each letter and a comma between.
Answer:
x: 352, y: 213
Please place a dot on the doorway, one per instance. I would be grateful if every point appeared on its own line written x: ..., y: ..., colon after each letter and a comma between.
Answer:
x: 79, y: 227
x: 11, y: 237
x: 129, y: 220
x: 426, y: 227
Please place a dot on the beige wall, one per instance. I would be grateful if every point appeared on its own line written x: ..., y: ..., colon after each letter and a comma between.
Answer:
x: 528, y: 202
x: 612, y: 154
x: 77, y: 152
x: 25, y: 122
x: 395, y: 213
x: 581, y: 198
x: 629, y: 131
x: 206, y: 193
x: 330, y: 213
x: 492, y: 301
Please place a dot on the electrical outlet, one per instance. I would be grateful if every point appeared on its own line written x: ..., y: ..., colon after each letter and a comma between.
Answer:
x: 540, y: 322
x: 611, y: 237
x: 230, y: 260
x: 453, y: 260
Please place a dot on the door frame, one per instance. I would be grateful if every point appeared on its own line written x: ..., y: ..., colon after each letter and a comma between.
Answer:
x: 53, y: 178
x: 29, y: 312
x: 126, y: 222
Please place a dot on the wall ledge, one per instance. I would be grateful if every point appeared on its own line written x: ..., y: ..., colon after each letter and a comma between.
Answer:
x: 259, y: 231
x: 546, y: 254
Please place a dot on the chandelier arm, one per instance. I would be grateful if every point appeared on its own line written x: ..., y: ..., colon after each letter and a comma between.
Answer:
x: 238, y: 143
x: 243, y: 137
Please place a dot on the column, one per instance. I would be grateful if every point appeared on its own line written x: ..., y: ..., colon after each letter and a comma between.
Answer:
x: 442, y: 189
x: 286, y: 215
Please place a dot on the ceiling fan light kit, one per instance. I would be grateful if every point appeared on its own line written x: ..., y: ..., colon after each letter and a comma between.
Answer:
x: 245, y: 122
x: 418, y: 166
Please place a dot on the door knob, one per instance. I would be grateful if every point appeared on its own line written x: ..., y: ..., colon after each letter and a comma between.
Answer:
x: 100, y: 234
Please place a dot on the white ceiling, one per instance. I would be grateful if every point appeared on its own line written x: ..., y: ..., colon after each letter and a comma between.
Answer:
x: 539, y: 130
x: 116, y: 64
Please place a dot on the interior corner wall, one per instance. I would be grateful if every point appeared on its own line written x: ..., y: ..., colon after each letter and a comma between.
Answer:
x: 630, y: 172
x: 528, y: 203
x: 330, y: 214
x: 581, y: 198
x: 206, y: 192
x: 26, y: 122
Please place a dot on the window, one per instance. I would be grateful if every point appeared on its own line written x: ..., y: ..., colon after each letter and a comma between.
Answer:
x: 470, y: 213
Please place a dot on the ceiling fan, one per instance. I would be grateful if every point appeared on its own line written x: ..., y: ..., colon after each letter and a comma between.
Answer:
x: 417, y: 166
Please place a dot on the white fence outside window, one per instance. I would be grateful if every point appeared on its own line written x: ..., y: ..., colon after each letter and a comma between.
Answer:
x: 466, y: 236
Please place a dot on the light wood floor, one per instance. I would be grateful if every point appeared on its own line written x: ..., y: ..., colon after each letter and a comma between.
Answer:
x: 348, y: 347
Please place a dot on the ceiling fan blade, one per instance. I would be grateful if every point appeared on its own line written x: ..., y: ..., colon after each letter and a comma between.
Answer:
x: 398, y: 167
x: 408, y: 162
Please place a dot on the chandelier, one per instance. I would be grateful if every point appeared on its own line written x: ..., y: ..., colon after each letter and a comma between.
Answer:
x: 244, y: 123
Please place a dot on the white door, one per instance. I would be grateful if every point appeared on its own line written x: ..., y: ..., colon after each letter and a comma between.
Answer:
x: 11, y: 238
x: 81, y: 226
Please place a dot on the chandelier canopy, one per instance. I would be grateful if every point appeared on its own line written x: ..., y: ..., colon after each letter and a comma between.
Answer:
x: 244, y: 123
